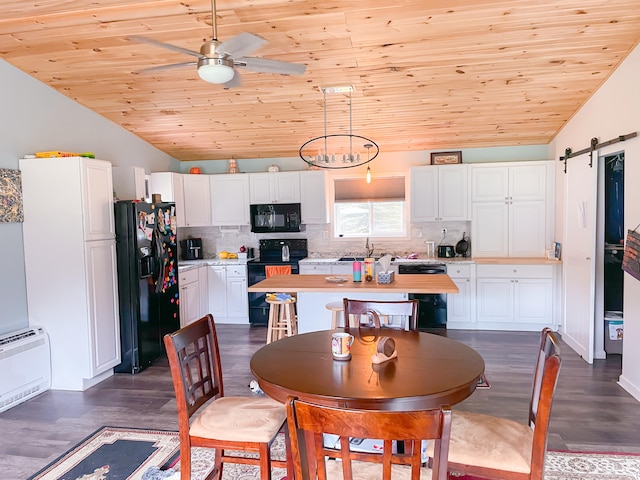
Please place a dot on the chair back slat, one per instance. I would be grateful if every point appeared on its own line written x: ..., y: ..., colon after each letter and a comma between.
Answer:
x: 194, y: 360
x: 308, y: 421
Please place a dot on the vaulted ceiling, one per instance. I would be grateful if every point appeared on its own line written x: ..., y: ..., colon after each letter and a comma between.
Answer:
x: 428, y: 74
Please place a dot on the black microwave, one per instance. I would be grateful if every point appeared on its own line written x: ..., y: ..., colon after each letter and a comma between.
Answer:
x: 275, y: 217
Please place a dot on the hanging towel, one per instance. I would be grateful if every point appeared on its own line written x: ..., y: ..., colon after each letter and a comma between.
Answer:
x: 271, y: 270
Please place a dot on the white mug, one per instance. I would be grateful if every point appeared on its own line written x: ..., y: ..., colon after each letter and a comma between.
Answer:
x: 341, y: 345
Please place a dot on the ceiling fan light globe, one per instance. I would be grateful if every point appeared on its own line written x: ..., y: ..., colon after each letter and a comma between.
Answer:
x: 215, y: 70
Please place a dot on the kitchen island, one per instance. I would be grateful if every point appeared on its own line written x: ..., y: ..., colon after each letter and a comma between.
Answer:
x: 315, y: 291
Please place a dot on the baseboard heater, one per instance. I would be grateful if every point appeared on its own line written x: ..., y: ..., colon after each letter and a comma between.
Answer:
x: 25, y: 366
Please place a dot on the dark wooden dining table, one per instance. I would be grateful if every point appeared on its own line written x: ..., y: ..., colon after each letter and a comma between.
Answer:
x: 429, y: 371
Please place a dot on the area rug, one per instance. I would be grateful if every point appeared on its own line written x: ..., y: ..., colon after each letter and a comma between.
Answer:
x: 113, y: 453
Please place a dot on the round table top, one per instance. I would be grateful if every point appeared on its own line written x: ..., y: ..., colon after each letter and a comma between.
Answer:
x: 429, y: 371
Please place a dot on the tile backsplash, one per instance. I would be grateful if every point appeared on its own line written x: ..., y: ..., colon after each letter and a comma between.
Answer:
x: 322, y: 244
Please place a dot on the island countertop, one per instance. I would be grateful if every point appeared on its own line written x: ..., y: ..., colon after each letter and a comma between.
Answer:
x: 407, y: 283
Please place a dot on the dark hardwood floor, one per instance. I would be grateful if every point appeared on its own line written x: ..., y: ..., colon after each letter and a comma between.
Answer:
x: 590, y: 412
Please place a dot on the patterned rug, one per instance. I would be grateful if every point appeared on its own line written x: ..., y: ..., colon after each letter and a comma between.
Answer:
x: 113, y: 453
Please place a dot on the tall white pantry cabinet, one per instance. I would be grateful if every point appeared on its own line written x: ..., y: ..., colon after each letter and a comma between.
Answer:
x: 70, y: 260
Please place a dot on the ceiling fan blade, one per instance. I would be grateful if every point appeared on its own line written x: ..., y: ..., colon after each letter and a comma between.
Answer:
x: 240, y: 45
x: 255, y: 64
x: 236, y: 81
x: 159, y: 68
x: 168, y: 46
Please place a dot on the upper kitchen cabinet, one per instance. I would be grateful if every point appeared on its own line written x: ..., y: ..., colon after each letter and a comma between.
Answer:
x: 97, y: 199
x: 439, y: 193
x: 129, y: 183
x: 230, y: 199
x: 274, y: 187
x: 313, y: 196
x: 197, y: 200
x: 170, y: 186
x: 511, y: 214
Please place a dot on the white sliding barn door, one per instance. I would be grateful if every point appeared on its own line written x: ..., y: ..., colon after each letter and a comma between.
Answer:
x: 579, y: 254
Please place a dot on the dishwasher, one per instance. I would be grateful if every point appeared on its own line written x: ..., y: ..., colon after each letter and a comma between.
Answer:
x: 432, y: 308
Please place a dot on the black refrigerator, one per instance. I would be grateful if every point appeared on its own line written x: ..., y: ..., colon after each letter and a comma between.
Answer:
x: 147, y: 259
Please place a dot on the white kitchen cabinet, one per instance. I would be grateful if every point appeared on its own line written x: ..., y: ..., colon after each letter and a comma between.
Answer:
x: 514, y: 297
x: 230, y: 199
x: 197, y: 200
x: 274, y: 187
x: 228, y: 299
x: 461, y: 306
x: 313, y: 197
x: 510, y: 210
x: 77, y: 300
x: 190, y: 296
x: 170, y: 186
x: 237, y: 299
x: 439, y: 193
x: 315, y: 269
x: 129, y: 183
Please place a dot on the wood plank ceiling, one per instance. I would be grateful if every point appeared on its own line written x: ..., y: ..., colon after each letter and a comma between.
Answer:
x: 428, y: 74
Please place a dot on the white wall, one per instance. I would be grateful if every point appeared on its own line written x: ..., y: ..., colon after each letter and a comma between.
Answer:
x: 611, y: 112
x: 34, y: 118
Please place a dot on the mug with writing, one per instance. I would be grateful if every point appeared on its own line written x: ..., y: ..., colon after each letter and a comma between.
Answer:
x: 341, y: 345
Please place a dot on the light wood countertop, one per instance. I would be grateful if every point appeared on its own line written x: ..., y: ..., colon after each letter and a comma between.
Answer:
x: 408, y: 283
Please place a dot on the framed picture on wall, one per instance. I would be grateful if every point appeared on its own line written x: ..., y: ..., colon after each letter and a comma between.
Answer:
x: 446, y: 158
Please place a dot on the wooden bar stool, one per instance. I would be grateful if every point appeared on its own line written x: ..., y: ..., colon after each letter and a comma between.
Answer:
x: 282, y: 314
x: 336, y: 309
x: 282, y: 319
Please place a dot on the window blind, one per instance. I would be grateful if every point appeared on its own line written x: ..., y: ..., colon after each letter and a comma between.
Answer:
x: 381, y: 189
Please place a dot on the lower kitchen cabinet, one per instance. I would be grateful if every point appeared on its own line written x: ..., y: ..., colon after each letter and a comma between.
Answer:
x: 315, y: 269
x: 190, y: 296
x: 514, y: 297
x: 461, y: 306
x: 228, y: 293
x: 194, y: 294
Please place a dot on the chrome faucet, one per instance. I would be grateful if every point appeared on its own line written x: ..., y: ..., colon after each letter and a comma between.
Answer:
x: 368, y: 248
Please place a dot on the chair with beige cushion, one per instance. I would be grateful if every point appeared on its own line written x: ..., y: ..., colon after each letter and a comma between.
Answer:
x: 206, y: 418
x: 496, y: 448
x: 308, y: 422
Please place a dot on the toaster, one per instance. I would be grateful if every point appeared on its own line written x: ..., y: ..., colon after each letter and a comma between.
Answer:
x: 446, y: 251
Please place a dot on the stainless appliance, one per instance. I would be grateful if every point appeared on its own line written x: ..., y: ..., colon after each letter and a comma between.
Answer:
x: 272, y: 252
x: 147, y: 257
x: 446, y: 251
x: 432, y: 308
x: 191, y: 248
x: 275, y: 217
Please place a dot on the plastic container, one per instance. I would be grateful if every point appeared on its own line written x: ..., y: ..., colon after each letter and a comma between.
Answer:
x: 368, y: 269
x: 357, y: 271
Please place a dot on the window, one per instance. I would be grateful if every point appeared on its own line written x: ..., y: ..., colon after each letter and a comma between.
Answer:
x: 370, y: 209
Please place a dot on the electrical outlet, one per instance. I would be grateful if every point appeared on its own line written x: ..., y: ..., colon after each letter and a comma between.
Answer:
x: 444, y: 231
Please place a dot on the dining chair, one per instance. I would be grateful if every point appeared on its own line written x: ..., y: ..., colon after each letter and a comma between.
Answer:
x: 374, y: 310
x: 206, y: 418
x: 308, y: 422
x: 491, y: 447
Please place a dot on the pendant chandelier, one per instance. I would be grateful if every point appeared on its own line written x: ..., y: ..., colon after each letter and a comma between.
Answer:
x: 338, y: 150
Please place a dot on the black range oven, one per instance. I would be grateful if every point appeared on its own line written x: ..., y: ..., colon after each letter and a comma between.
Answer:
x: 432, y: 308
x: 272, y: 252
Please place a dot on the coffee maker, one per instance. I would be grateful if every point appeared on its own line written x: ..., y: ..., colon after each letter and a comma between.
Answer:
x: 191, y: 248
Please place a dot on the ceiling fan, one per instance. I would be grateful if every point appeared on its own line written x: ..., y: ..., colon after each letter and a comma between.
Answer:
x: 217, y: 61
